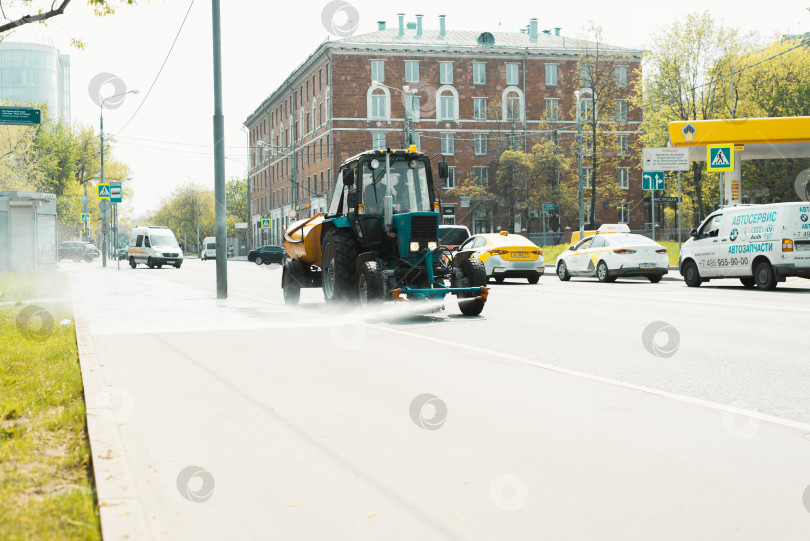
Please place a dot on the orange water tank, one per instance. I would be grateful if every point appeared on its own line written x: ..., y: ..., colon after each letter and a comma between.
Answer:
x: 302, y: 240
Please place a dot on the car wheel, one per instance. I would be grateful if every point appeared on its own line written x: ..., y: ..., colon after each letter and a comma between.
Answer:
x: 748, y: 282
x: 654, y: 279
x: 764, y: 276
x: 602, y: 272
x: 159, y: 265
x: 150, y: 263
x: 132, y: 262
x: 473, y: 275
x: 370, y: 284
x: 499, y: 279
x: 533, y: 279
x: 259, y: 260
x: 562, y: 272
x: 691, y: 275
x: 177, y: 265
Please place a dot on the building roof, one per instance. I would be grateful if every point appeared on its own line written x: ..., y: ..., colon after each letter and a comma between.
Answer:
x: 470, y: 38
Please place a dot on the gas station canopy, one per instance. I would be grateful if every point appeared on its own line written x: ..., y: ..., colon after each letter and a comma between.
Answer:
x: 764, y: 138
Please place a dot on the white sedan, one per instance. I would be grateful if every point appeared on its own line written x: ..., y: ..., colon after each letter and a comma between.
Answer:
x: 608, y: 256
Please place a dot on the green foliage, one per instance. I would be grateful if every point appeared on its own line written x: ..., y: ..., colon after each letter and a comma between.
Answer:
x: 236, y: 204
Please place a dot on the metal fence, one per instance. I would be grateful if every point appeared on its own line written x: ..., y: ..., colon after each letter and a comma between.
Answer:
x: 549, y: 238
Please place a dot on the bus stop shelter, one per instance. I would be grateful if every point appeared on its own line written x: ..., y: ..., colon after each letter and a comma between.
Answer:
x: 750, y: 138
x: 27, y: 231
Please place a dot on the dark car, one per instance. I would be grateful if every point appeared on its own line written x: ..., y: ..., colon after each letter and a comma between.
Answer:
x: 266, y: 255
x: 78, y: 251
x: 453, y: 236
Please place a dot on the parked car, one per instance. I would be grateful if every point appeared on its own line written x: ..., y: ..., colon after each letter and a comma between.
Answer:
x: 265, y: 255
x: 77, y: 251
x: 608, y: 255
x: 506, y: 255
x: 453, y: 236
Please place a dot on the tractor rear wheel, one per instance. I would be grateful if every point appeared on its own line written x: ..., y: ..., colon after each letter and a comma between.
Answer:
x: 370, y: 284
x: 473, y: 275
x: 339, y: 272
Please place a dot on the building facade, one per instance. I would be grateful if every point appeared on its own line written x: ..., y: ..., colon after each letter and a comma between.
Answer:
x: 461, y: 96
x: 33, y: 72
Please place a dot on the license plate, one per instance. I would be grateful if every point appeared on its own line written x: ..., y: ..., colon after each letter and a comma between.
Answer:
x: 647, y: 266
x: 520, y: 255
x: 169, y: 261
x: 802, y: 247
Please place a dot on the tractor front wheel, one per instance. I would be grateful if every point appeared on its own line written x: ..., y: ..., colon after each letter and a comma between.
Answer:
x: 473, y: 275
x: 370, y: 284
x: 339, y: 259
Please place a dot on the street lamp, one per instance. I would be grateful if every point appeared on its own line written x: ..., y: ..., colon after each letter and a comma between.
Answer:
x: 577, y: 94
x: 101, y: 125
x: 406, y: 92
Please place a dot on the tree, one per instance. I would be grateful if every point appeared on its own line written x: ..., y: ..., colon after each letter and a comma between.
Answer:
x: 602, y: 114
x: 236, y: 203
x: 683, y: 80
x: 178, y: 212
x: 58, y: 7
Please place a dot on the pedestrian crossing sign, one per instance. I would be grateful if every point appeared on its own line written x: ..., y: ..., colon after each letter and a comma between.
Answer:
x: 265, y: 223
x: 85, y: 217
x: 103, y: 191
x: 720, y: 157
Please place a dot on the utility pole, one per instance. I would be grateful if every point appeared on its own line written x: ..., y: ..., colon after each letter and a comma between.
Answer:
x: 219, y: 158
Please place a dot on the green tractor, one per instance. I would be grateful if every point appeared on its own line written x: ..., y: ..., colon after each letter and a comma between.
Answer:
x: 379, y: 239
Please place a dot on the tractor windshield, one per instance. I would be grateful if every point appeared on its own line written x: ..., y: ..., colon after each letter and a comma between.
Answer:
x: 409, y: 187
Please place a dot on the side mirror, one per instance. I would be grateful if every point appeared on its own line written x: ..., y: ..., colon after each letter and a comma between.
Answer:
x: 348, y: 177
x: 693, y: 233
x: 444, y: 171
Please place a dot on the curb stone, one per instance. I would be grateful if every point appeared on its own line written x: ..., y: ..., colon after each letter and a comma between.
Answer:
x: 120, y: 510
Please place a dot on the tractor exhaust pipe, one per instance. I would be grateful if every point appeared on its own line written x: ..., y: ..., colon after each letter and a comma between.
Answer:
x: 388, y: 202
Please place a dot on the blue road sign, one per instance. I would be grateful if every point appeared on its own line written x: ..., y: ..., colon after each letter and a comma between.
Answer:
x: 652, y: 180
x: 549, y: 206
x: 265, y: 223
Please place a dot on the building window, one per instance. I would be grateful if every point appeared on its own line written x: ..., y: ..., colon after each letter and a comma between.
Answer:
x: 411, y: 71
x: 624, y: 145
x: 587, y: 175
x: 481, y: 176
x: 448, y: 144
x: 447, y: 107
x: 378, y: 103
x: 479, y: 73
x: 552, y: 109
x: 480, y: 144
x: 450, y: 181
x: 378, y: 141
x: 378, y: 71
x: 551, y: 74
x: 623, y: 213
x: 480, y: 108
x: 448, y: 215
x: 512, y: 104
x: 446, y: 73
x: 621, y: 76
x: 511, y: 74
x: 586, y: 109
x: 621, y: 110
x: 623, y: 177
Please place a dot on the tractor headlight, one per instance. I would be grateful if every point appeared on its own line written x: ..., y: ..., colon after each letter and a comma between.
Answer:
x: 414, y: 246
x: 432, y: 245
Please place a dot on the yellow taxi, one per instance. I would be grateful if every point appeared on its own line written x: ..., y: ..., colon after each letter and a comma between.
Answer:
x: 506, y: 255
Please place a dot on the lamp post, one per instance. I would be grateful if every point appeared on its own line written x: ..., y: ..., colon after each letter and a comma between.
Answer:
x: 408, y: 119
x: 101, y: 135
x: 577, y: 94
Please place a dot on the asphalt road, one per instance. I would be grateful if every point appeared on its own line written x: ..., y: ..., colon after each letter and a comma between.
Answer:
x: 545, y: 418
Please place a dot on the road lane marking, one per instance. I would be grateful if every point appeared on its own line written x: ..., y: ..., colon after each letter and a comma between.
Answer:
x: 649, y: 390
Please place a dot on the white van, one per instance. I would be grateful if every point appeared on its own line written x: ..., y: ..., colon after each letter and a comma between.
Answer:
x: 209, y: 248
x: 759, y: 244
x: 153, y: 246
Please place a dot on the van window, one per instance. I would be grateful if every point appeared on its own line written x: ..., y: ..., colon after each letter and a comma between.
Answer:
x: 146, y: 242
x: 711, y: 228
x: 139, y: 242
x: 211, y: 246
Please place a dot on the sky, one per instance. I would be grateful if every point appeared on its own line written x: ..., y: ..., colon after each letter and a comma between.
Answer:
x: 166, y: 137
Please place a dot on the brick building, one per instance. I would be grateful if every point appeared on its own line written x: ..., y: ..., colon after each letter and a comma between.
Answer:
x: 469, y: 95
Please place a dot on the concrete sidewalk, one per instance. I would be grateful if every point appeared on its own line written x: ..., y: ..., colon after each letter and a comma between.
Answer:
x: 241, y: 419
